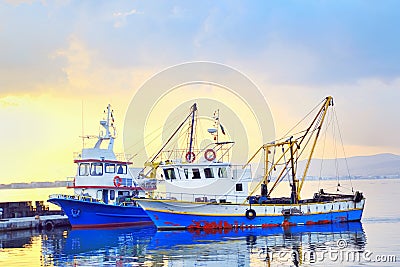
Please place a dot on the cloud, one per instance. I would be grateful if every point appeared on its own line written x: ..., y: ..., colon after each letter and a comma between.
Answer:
x: 88, y: 74
x: 297, y: 53
x: 126, y: 14
x: 19, y: 2
x: 79, y: 61
x: 28, y: 37
x: 121, y: 17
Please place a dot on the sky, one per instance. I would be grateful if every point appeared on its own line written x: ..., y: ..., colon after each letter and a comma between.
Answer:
x: 63, y: 61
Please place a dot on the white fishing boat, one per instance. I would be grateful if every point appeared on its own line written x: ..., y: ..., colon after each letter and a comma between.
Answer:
x: 202, y: 174
x: 246, y: 206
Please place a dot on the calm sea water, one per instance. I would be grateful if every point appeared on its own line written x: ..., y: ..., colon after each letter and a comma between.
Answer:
x: 375, y: 241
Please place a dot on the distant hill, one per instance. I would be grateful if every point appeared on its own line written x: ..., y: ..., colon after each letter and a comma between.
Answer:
x: 377, y: 166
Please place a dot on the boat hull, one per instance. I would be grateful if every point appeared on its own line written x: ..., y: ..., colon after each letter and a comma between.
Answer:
x: 185, y: 215
x: 85, y: 214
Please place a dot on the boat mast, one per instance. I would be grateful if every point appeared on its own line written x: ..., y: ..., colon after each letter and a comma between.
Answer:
x: 218, y: 124
x: 321, y: 114
x: 106, y: 125
x: 315, y: 126
x: 293, y: 195
x: 193, y: 111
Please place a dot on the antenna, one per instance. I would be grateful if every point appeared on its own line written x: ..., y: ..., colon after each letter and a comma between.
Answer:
x: 83, y: 136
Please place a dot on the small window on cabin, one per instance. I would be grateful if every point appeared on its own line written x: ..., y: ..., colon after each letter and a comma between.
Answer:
x: 239, y: 187
x: 84, y: 169
x: 99, y: 194
x: 186, y: 173
x: 109, y: 167
x: 112, y: 194
x: 96, y: 169
x: 122, y: 169
x: 123, y: 193
x: 222, y: 173
x: 169, y: 174
x: 196, y: 174
x: 208, y: 172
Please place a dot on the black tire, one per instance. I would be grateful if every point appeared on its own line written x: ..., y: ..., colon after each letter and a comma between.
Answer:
x: 250, y: 214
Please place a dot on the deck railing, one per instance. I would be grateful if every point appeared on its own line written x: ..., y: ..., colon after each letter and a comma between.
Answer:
x: 210, y: 198
x: 76, y: 197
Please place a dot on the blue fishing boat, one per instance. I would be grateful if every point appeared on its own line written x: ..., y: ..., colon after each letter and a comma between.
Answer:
x: 244, y: 206
x: 105, y: 192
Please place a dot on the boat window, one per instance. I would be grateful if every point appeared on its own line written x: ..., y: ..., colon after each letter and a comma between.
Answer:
x: 208, y: 172
x: 222, y: 173
x: 121, y: 169
x: 112, y: 194
x: 186, y: 173
x: 84, y: 169
x: 239, y: 187
x: 109, y: 167
x: 99, y: 194
x: 169, y: 173
x: 128, y: 182
x: 96, y: 169
x: 123, y: 193
x: 196, y: 174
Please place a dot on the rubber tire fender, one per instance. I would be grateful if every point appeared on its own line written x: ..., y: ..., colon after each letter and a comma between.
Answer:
x: 250, y: 214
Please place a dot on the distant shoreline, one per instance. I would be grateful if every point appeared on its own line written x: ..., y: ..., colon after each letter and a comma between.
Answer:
x: 34, y: 185
x: 64, y: 183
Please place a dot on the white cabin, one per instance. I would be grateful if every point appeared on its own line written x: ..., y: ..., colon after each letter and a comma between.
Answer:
x: 101, y: 175
x: 203, y: 182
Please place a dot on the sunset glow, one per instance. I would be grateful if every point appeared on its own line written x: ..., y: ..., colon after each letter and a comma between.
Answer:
x: 64, y: 61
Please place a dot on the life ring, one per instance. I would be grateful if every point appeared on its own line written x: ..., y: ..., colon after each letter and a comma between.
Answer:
x: 210, y: 154
x: 190, y: 157
x: 117, y: 181
x: 250, y: 214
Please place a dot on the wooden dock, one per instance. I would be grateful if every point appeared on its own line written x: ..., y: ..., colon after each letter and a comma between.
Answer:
x: 47, y: 222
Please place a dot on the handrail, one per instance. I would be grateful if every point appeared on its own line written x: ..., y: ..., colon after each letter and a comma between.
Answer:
x: 207, y: 198
x: 76, y: 197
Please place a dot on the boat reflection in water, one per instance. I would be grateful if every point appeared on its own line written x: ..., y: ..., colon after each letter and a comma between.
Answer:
x: 297, y: 245
x: 86, y: 247
x: 294, y: 245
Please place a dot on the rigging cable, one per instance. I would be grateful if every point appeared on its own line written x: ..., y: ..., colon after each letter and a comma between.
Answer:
x: 308, y: 114
x: 168, y: 127
x: 322, y: 158
x: 344, y: 153
x: 336, y: 155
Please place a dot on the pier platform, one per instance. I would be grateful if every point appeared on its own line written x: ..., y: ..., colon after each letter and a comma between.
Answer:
x: 47, y: 222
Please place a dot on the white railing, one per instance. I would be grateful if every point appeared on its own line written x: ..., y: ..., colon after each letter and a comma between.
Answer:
x: 234, y: 199
x: 76, y: 197
x: 118, y: 156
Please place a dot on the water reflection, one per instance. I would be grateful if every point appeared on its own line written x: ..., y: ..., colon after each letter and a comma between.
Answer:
x: 277, y: 246
x: 17, y: 239
x: 96, y: 246
x: 249, y: 247
x: 254, y: 247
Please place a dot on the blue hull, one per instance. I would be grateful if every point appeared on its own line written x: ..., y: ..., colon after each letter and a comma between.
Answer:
x: 85, y: 214
x: 166, y: 220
